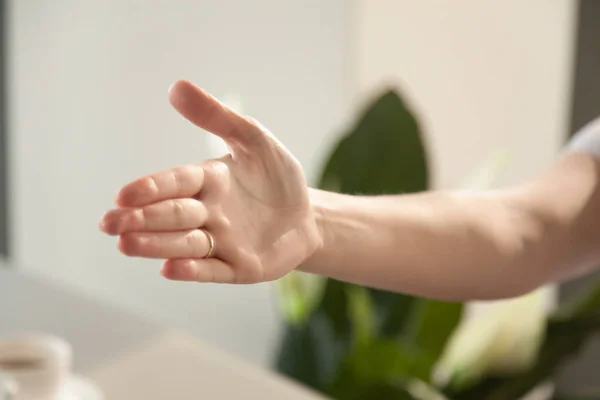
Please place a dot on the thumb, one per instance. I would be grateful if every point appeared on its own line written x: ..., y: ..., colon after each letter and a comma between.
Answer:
x: 208, y: 113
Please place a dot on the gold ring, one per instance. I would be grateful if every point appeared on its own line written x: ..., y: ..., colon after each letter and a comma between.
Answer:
x: 211, y: 243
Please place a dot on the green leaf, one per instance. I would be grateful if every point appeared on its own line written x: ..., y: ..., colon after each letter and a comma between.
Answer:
x: 334, y: 304
x: 382, y: 361
x: 384, y: 153
x: 361, y: 313
x: 393, y: 312
x: 298, y: 295
x: 312, y: 353
x: 376, y: 362
x: 586, y: 304
x: 325, y: 340
x: 432, y: 325
x: 297, y: 357
x: 383, y: 391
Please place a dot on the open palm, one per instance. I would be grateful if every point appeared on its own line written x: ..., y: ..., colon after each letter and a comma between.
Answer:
x: 242, y: 218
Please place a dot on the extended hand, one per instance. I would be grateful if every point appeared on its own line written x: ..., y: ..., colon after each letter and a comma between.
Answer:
x: 248, y: 211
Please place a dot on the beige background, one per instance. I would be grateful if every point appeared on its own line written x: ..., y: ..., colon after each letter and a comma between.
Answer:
x: 483, y: 75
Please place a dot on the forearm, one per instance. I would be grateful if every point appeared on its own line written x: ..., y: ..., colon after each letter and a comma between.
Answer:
x: 461, y: 246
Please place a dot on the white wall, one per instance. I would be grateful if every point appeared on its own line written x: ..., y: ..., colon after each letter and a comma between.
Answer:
x: 482, y: 74
x: 88, y: 82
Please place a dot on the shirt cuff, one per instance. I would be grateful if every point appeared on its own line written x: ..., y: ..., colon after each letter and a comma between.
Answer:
x: 587, y: 139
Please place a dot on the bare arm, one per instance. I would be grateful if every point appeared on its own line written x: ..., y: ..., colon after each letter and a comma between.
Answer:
x: 248, y: 217
x: 459, y: 246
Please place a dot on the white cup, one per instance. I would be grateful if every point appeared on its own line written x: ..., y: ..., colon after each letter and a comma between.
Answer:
x: 39, y: 364
x: 8, y: 387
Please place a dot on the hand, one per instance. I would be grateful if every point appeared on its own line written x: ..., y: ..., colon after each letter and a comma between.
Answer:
x: 253, y: 203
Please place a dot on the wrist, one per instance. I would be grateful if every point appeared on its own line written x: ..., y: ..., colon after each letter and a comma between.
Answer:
x: 321, y: 203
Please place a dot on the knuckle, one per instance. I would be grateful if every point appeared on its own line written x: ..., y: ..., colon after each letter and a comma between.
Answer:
x: 252, y: 273
x: 212, y: 179
x: 204, y: 275
x: 260, y: 131
x: 215, y: 170
x: 200, y: 212
x: 135, y: 244
x: 137, y: 219
x: 224, y: 223
x: 193, y: 241
x: 177, y: 176
x: 129, y: 244
x: 221, y: 222
x: 178, y: 211
x: 149, y: 187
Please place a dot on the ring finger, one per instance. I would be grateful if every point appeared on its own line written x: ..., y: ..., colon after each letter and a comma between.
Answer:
x: 184, y: 244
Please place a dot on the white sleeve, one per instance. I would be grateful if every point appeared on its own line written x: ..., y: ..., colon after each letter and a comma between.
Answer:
x: 587, y: 139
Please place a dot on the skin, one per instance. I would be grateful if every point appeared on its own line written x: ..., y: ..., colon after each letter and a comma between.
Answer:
x: 266, y: 222
x: 253, y: 201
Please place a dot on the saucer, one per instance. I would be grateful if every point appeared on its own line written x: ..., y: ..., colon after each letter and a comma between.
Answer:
x: 80, y: 388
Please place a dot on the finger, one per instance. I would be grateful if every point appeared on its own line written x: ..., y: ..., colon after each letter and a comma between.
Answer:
x: 182, y: 181
x: 210, y: 114
x: 164, y: 216
x: 184, y: 244
x: 204, y: 270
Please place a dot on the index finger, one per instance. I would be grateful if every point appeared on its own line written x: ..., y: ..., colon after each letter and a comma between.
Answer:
x: 178, y: 182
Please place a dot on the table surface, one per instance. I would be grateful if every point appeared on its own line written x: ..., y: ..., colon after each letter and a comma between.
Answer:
x: 96, y: 331
x: 179, y: 366
x: 129, y: 357
x: 105, y: 340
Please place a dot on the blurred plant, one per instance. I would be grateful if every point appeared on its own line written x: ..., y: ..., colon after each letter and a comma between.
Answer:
x: 503, y: 340
x: 352, y: 342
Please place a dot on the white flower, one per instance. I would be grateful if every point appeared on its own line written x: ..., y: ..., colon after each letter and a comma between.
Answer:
x: 502, y: 339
